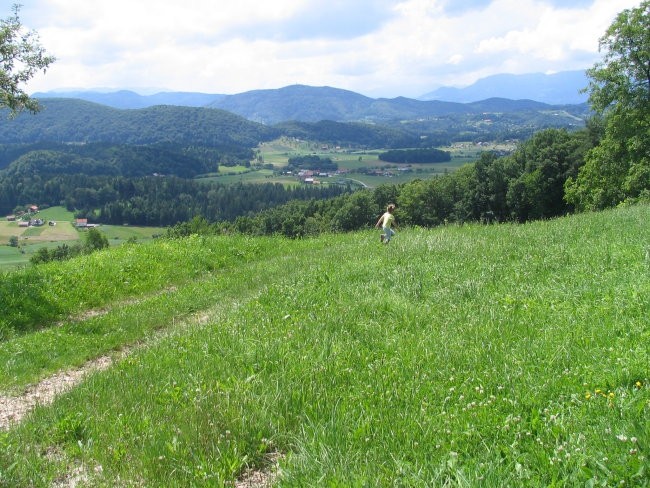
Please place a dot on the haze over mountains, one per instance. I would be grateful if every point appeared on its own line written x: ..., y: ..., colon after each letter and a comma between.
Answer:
x: 555, y: 89
x: 307, y: 103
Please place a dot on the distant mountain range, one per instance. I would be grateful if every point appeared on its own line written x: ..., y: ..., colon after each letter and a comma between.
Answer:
x: 310, y: 104
x: 130, y: 99
x: 555, y: 89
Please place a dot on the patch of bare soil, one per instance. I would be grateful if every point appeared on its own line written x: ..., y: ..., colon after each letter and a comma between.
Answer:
x: 261, y: 478
x: 14, y: 408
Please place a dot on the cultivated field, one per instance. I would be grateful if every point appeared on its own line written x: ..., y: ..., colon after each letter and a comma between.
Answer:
x: 278, y: 153
x: 30, y: 239
x: 503, y: 355
x: 62, y: 231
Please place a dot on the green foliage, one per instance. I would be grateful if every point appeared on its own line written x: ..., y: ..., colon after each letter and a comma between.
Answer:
x: 523, y: 186
x: 618, y: 168
x: 21, y: 58
x: 105, y: 159
x: 311, y: 162
x: 76, y: 121
x: 94, y: 241
x: 153, y: 201
x: 506, y: 355
x: 350, y: 134
x: 426, y: 155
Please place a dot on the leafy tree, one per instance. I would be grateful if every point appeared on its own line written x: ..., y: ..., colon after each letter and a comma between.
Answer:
x: 42, y: 255
x: 356, y: 212
x: 547, y: 160
x: 21, y: 57
x: 619, y: 167
x: 95, y: 240
x: 425, y: 155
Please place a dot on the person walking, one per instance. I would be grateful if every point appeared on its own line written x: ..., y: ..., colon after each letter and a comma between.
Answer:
x: 386, y: 222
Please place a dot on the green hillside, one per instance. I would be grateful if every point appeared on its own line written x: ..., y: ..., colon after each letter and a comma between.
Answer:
x: 469, y: 355
x: 76, y: 121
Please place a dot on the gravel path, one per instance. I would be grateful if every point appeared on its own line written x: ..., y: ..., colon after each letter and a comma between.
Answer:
x: 14, y: 408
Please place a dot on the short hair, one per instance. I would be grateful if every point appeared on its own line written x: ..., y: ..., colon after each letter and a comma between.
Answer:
x: 391, y: 207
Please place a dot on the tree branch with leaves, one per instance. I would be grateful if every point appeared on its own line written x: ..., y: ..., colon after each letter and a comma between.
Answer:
x: 618, y: 169
x: 21, y: 57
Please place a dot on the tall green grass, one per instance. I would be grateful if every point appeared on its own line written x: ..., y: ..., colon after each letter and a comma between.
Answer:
x: 508, y: 355
x: 35, y: 297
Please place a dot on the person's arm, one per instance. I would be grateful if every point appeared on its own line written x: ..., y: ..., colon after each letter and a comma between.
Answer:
x: 379, y: 221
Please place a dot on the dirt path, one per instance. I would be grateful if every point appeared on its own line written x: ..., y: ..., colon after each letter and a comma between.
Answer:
x: 14, y: 408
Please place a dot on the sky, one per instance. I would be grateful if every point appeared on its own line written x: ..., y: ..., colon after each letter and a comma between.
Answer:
x: 379, y: 48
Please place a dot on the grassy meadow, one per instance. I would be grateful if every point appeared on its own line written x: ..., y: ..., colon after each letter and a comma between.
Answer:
x: 503, y: 355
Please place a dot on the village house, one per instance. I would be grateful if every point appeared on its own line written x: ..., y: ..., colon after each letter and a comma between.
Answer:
x: 83, y: 224
x: 11, y: 218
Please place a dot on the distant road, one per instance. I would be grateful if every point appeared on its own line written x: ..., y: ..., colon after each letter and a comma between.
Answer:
x: 358, y: 181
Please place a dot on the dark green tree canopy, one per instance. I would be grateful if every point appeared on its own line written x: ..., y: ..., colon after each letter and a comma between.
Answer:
x: 622, y: 78
x: 21, y: 57
x: 618, y: 169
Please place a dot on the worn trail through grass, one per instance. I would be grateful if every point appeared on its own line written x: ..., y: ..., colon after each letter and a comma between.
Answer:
x: 99, y: 343
x: 509, y: 355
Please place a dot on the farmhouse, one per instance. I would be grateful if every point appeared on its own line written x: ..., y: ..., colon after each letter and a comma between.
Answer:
x: 11, y: 218
x: 83, y: 224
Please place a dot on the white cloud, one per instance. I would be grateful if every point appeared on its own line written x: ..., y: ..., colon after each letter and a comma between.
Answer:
x: 376, y: 47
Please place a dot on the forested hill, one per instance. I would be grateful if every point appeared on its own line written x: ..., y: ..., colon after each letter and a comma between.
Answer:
x: 77, y: 121
x: 312, y: 104
x: 71, y: 121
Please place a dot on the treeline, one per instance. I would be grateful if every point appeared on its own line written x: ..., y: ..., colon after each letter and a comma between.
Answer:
x: 94, y: 241
x: 156, y: 201
x: 352, y: 134
x: 525, y: 185
x: 424, y: 155
x: 311, y: 162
